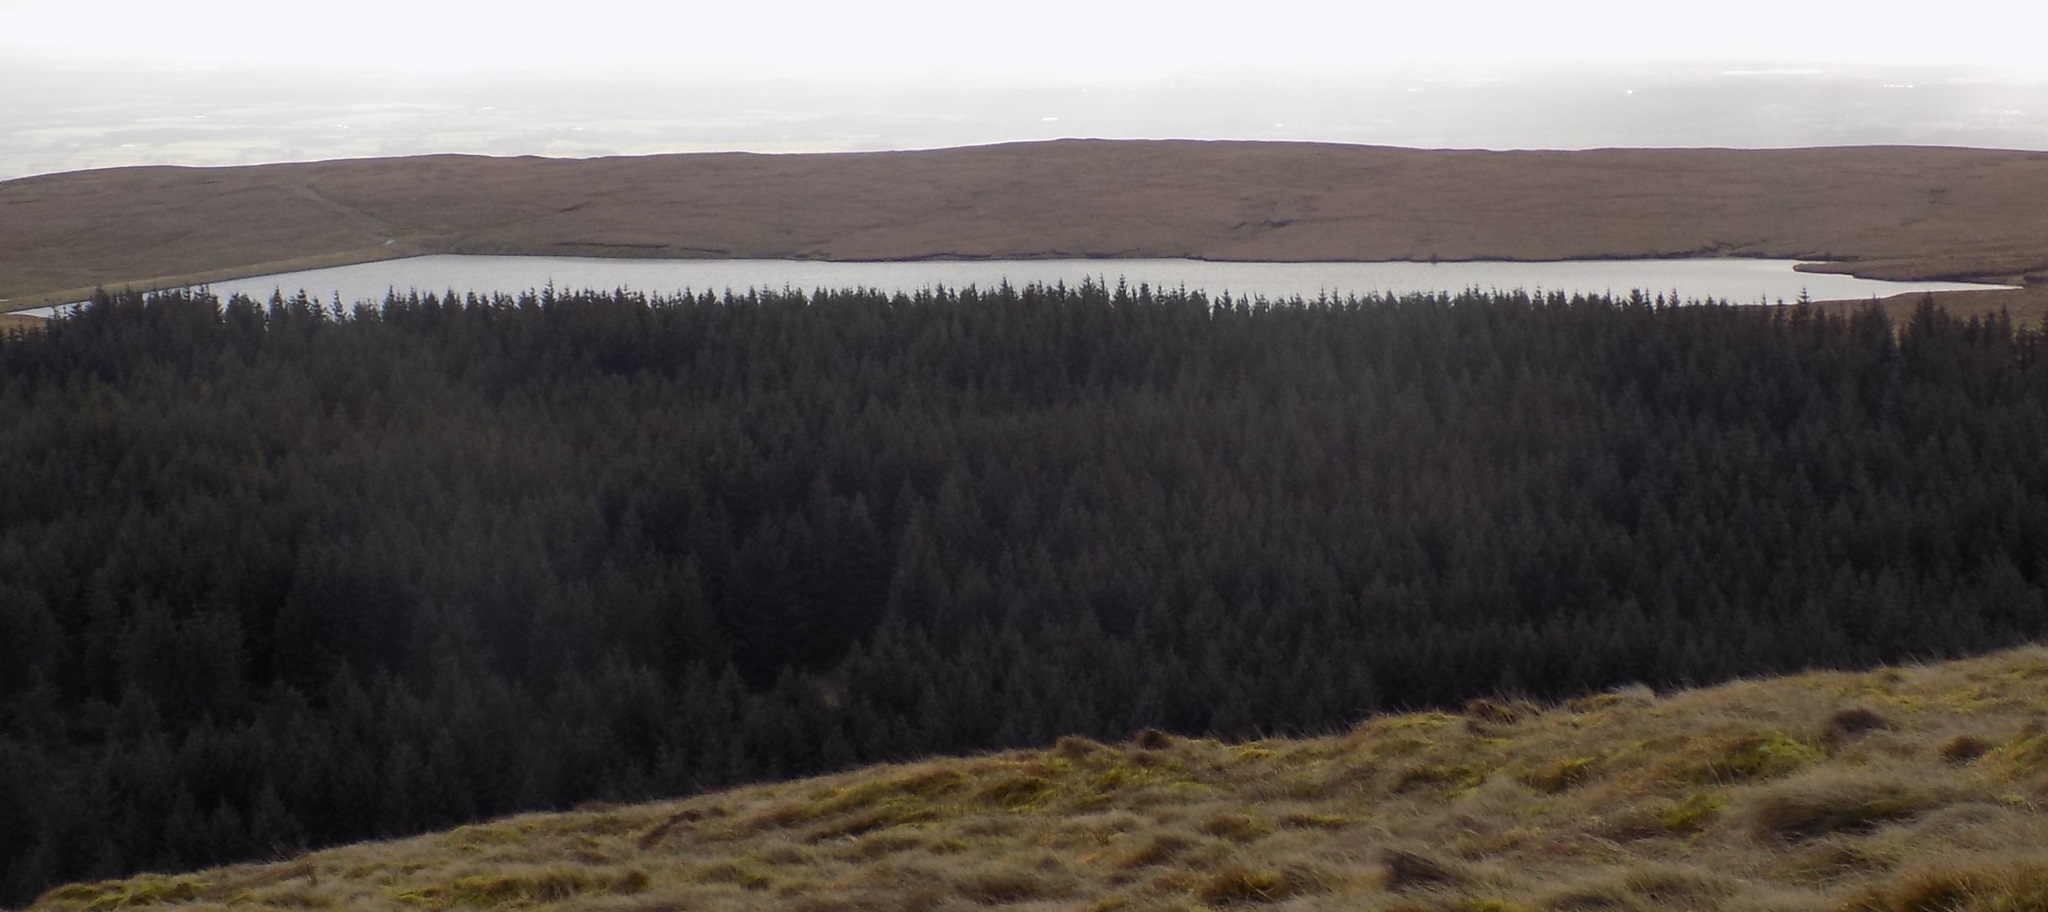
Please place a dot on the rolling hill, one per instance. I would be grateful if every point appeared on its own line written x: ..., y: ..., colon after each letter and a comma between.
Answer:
x: 1911, y: 788
x: 1880, y: 212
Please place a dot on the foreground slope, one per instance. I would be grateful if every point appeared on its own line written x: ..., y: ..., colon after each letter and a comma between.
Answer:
x: 1886, y: 212
x: 1905, y: 788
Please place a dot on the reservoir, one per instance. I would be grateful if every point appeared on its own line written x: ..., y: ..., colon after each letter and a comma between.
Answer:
x: 1738, y: 281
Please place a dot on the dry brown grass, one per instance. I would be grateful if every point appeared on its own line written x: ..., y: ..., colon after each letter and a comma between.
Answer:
x: 1900, y: 790
x: 1881, y: 212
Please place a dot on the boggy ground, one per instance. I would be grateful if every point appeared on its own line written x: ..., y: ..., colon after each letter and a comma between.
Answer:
x: 1919, y: 788
x: 1883, y: 212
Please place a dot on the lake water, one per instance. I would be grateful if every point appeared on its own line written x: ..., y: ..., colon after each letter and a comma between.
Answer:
x: 1740, y: 281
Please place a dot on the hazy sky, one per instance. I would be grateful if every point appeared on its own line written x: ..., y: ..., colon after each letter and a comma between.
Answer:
x: 211, y: 82
x: 1095, y: 38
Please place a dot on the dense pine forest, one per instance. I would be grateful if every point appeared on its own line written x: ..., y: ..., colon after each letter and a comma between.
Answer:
x: 277, y: 576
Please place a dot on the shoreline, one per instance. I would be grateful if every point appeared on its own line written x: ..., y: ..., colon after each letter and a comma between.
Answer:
x: 1917, y: 213
x: 2006, y: 286
x: 1287, y: 281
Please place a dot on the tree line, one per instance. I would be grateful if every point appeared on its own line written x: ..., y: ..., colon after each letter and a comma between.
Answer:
x: 280, y: 575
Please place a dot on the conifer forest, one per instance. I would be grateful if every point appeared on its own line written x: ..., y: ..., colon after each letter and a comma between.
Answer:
x: 283, y: 575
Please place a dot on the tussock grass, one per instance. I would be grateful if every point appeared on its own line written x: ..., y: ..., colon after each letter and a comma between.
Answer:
x: 1836, y: 801
x: 1407, y: 870
x: 1244, y: 885
x: 1991, y: 885
x: 1899, y: 790
x: 1848, y: 724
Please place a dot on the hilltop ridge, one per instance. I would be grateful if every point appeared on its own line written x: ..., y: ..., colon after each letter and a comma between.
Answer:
x: 1878, y: 212
x: 1913, y: 788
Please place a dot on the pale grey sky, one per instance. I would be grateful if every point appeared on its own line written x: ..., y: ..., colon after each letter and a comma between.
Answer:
x: 1088, y: 38
x: 87, y: 84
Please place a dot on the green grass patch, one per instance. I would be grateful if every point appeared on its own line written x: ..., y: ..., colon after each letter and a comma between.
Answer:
x: 1695, y: 812
x: 2024, y: 755
x: 1756, y: 757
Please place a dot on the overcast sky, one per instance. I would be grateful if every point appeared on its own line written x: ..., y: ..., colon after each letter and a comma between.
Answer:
x: 117, y: 82
x: 1099, y: 38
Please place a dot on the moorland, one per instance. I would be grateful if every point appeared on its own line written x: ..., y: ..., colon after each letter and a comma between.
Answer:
x: 1878, y: 212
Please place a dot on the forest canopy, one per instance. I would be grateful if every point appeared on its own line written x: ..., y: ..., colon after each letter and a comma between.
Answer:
x: 282, y: 575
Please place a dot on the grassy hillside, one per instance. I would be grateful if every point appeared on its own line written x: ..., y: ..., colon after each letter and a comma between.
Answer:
x: 1893, y: 212
x: 1917, y: 788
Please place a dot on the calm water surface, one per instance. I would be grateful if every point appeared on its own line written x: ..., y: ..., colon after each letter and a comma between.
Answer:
x: 1739, y: 281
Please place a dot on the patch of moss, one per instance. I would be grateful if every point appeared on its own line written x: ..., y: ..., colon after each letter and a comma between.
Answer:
x: 1765, y: 756
x: 1696, y: 811
x: 2022, y: 756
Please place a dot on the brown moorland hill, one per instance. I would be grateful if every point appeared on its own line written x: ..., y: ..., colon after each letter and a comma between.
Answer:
x: 1918, y: 788
x: 1881, y: 212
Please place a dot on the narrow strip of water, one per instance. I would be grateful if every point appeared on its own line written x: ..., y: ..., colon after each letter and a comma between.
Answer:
x: 1739, y: 281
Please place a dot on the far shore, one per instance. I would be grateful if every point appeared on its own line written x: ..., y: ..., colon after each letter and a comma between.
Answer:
x: 1874, y: 212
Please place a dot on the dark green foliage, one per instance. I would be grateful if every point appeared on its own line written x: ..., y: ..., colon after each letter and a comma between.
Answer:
x: 279, y: 576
